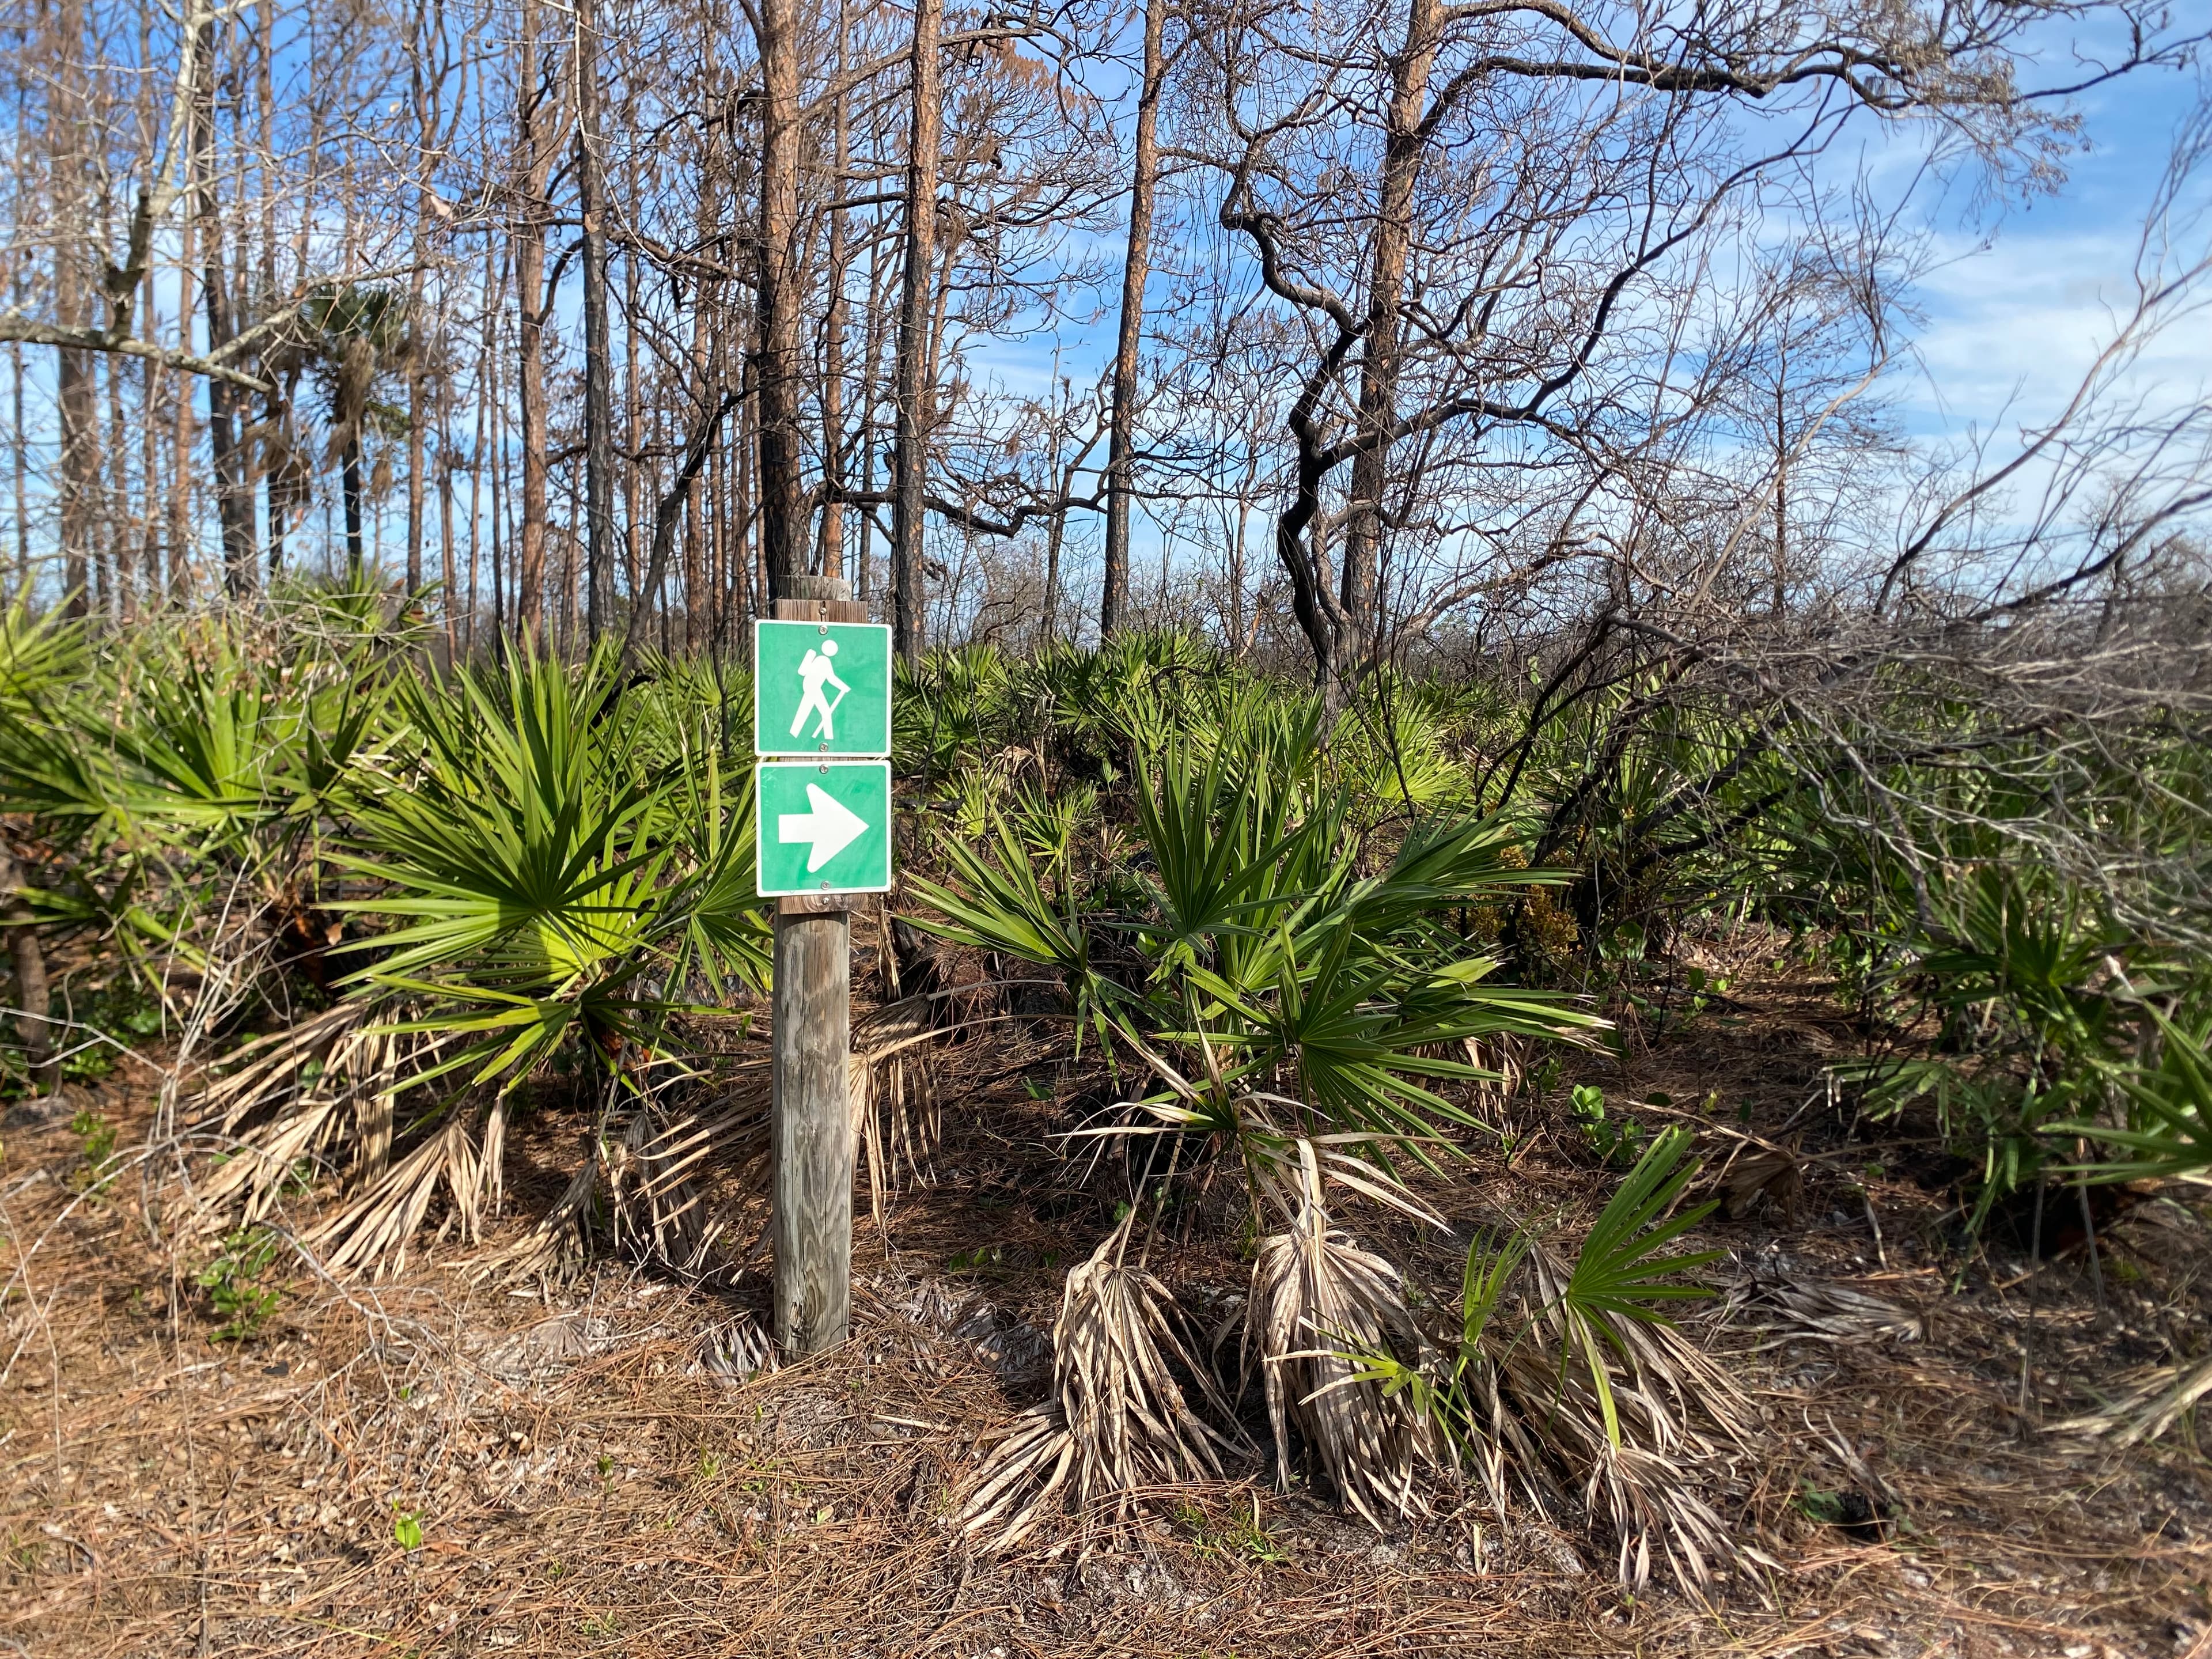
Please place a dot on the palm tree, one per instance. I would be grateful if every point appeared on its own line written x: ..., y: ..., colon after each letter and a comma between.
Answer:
x: 358, y: 333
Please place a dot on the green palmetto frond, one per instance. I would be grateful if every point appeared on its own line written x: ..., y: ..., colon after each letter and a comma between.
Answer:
x: 1397, y: 754
x: 42, y: 654
x: 1362, y: 1037
x: 1443, y: 862
x: 1621, y: 1274
x: 999, y: 905
x: 544, y: 875
x: 519, y: 827
x: 2169, y: 1132
x: 724, y: 929
x: 1218, y: 834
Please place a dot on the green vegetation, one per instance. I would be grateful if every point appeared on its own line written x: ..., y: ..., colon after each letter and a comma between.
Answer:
x: 234, y: 1281
x: 1320, y: 952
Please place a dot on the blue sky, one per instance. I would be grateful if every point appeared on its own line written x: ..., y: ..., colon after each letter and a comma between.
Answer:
x: 2017, y: 299
x: 2017, y: 306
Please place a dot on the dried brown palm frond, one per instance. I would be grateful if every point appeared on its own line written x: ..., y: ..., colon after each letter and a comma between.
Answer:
x: 320, y: 1093
x: 1750, y: 1175
x: 372, y: 1234
x: 2149, y: 1402
x: 1500, y: 1063
x: 556, y: 1245
x: 894, y: 1094
x: 1648, y: 1497
x: 1274, y: 1155
x: 1117, y: 1420
x: 272, y: 1069
x: 1546, y: 1434
x: 657, y: 1202
x: 1797, y: 1310
x: 1319, y: 1304
x: 257, y: 1167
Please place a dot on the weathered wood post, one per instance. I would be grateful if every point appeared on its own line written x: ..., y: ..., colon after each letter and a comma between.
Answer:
x: 811, y: 1114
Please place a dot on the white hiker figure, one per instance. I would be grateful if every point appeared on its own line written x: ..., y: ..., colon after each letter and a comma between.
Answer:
x: 816, y: 672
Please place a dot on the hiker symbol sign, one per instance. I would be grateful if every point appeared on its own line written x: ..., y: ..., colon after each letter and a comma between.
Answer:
x: 821, y: 688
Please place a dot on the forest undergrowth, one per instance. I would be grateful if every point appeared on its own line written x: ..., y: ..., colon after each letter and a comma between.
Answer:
x: 1438, y: 1175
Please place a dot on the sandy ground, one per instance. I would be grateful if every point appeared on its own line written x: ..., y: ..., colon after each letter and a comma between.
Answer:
x: 430, y: 1465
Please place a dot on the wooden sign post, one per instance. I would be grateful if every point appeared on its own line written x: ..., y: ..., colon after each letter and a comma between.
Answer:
x: 810, y: 1117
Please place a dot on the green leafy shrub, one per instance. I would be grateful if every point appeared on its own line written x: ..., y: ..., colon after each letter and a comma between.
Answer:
x: 1617, y: 1140
x: 233, y: 1283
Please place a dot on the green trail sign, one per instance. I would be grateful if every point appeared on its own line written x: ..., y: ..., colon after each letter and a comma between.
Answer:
x: 824, y: 827
x: 821, y: 688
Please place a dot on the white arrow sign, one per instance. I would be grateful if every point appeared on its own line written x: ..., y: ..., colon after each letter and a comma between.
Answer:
x: 830, y: 826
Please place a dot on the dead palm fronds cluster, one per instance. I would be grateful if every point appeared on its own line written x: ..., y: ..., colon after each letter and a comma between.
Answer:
x: 896, y: 1112
x: 319, y: 1097
x: 658, y: 1203
x: 1117, y: 1420
x: 1565, y: 1388
x: 1565, y: 1391
x: 1795, y: 1308
x: 372, y: 1233
x: 1323, y: 1310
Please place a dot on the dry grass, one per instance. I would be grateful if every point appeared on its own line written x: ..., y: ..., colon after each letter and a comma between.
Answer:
x: 598, y: 1467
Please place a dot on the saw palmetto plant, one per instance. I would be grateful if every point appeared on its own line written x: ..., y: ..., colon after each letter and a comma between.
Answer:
x: 546, y: 882
x: 1280, y: 987
x: 1274, y: 967
x: 555, y: 875
x: 1565, y: 1383
x: 178, y: 783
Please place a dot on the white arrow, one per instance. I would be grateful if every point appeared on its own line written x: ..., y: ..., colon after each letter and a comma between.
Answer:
x: 830, y: 826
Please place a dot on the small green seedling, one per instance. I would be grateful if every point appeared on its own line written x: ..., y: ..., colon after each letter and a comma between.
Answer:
x: 232, y: 1283
x: 98, y: 1135
x: 1618, y: 1140
x: 980, y: 1259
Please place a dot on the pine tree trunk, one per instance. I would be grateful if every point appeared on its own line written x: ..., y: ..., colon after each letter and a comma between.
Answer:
x: 232, y: 489
x: 599, y: 367
x: 530, y: 306
x: 74, y: 387
x: 1136, y: 271
x: 1403, y: 144
x: 32, y: 997
x: 349, y: 486
x: 829, y: 558
x: 913, y: 395
x: 778, y: 296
